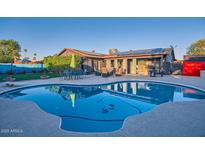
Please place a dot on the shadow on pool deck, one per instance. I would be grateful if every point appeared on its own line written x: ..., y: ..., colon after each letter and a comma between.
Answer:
x: 169, y: 119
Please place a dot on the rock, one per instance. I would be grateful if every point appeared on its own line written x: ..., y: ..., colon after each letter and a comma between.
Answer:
x: 177, y: 72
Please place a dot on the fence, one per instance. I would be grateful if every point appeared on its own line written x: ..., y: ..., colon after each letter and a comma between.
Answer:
x: 20, y: 68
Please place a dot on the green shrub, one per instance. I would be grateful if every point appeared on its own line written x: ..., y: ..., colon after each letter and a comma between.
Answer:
x: 58, y: 63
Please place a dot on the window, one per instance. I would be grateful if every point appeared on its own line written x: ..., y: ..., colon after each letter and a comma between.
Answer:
x: 112, y: 63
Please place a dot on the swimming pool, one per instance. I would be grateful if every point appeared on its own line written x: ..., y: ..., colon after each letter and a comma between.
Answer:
x: 102, y: 108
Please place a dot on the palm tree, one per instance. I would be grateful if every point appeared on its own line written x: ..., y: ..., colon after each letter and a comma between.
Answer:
x: 25, y: 50
x: 34, y: 56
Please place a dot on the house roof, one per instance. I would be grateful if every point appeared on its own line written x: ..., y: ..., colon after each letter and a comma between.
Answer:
x: 133, y: 53
x: 25, y: 60
x: 88, y: 54
x: 145, y: 53
x: 194, y: 58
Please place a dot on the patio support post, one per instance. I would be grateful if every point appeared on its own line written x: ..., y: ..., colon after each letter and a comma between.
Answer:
x: 115, y: 64
x: 133, y: 67
x: 161, y: 62
x: 99, y: 65
x: 108, y: 64
x: 124, y: 65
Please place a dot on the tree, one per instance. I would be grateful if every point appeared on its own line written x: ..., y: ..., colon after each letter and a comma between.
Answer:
x: 113, y: 51
x: 197, y: 48
x: 9, y: 51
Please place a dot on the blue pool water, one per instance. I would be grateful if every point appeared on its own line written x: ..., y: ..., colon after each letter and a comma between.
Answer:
x: 102, y: 108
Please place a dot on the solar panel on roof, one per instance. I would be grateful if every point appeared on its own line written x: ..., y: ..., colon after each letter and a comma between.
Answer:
x: 138, y: 52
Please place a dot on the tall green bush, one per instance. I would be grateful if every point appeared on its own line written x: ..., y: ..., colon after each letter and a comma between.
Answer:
x: 59, y: 63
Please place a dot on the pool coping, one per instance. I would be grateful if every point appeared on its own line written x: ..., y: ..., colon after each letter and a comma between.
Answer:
x: 101, y: 84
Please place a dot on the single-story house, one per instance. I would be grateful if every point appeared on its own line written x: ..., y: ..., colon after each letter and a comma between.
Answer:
x: 132, y: 61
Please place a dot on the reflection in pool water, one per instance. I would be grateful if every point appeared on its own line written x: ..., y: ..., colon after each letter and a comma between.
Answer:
x: 102, y: 108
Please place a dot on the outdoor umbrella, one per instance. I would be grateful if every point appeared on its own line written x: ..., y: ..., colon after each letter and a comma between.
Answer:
x: 73, y: 63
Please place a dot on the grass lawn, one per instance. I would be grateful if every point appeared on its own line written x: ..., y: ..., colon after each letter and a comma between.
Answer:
x: 28, y: 76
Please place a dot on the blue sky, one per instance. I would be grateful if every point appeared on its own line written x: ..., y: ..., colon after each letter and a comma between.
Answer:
x: 47, y: 36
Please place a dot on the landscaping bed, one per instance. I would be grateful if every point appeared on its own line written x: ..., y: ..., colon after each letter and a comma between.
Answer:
x: 28, y: 76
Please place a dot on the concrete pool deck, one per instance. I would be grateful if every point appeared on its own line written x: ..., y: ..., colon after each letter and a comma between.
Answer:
x: 20, y: 118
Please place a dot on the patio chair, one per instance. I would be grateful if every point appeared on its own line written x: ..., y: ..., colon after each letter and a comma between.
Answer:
x: 67, y: 74
x: 76, y: 74
x: 104, y: 72
x: 119, y: 72
x: 97, y: 73
x: 82, y: 74
x: 64, y: 74
x: 61, y: 74
x: 161, y: 72
x: 152, y: 73
x: 112, y: 72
